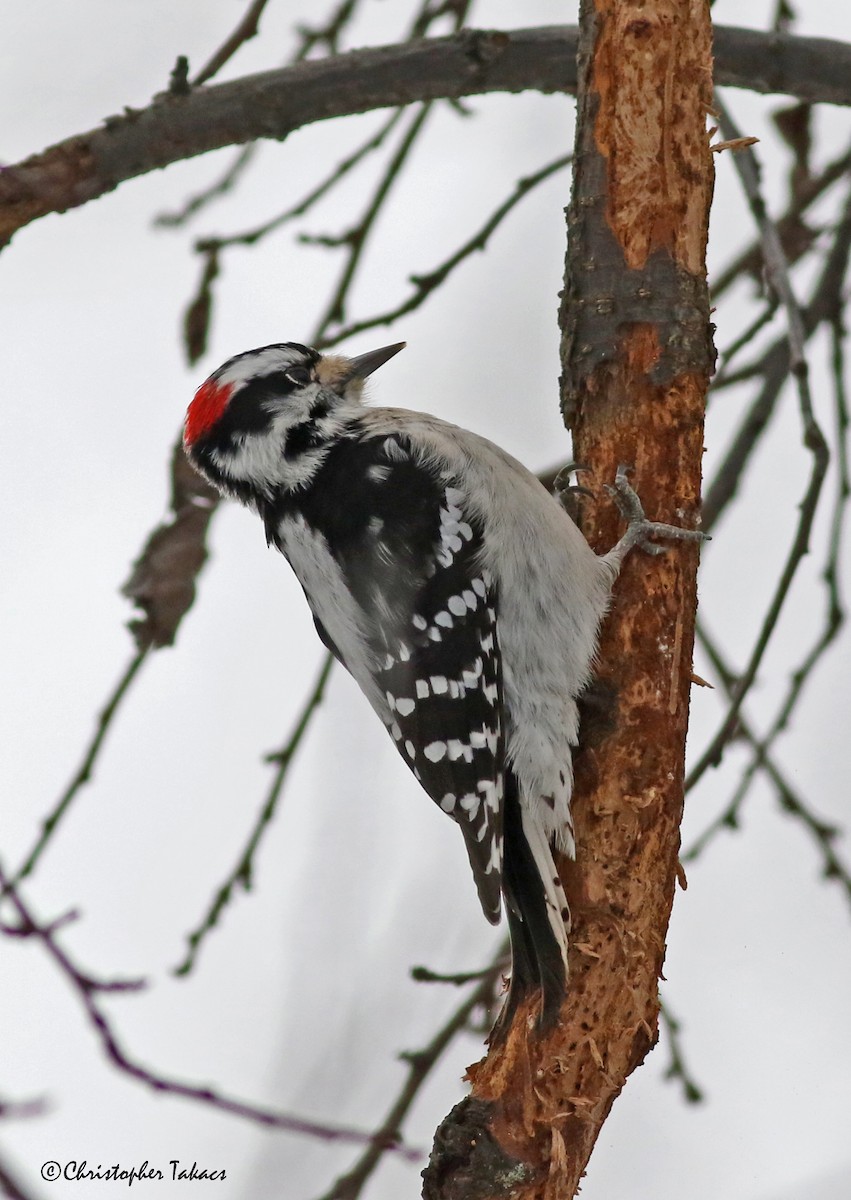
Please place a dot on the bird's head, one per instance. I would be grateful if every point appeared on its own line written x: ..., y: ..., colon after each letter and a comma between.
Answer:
x: 265, y: 418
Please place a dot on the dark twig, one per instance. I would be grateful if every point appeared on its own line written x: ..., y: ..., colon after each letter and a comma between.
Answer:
x: 425, y: 975
x: 87, y: 988
x: 86, y: 769
x: 310, y: 38
x: 245, y: 30
x: 425, y: 284
x: 226, y: 182
x: 744, y: 339
x: 22, y: 1110
x: 813, y: 439
x: 357, y: 237
x: 250, y: 237
x: 327, y: 35
x: 242, y: 873
x: 11, y: 1186
x: 789, y: 227
x: 678, y: 1068
x: 420, y: 1063
x: 774, y: 367
x: 824, y: 834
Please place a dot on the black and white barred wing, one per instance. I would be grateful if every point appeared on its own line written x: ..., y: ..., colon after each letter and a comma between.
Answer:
x: 443, y: 686
x: 411, y: 561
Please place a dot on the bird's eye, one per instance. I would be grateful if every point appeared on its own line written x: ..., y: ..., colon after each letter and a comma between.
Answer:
x: 299, y: 374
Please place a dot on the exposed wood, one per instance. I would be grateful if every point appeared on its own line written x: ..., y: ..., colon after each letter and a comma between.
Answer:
x: 273, y: 104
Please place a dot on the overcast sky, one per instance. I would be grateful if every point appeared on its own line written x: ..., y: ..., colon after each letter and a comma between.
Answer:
x: 301, y: 999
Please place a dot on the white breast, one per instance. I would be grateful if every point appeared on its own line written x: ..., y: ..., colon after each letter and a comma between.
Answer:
x: 331, y: 602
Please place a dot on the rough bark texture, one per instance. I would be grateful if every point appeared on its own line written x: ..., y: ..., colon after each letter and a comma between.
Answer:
x: 637, y: 354
x: 271, y: 105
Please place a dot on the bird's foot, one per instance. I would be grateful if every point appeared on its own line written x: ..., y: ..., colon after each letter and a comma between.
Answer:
x: 640, y: 530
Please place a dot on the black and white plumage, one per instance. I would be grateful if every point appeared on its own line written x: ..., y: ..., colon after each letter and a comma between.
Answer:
x: 453, y: 587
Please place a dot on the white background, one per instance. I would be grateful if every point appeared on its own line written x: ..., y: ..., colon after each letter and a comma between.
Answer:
x: 301, y: 999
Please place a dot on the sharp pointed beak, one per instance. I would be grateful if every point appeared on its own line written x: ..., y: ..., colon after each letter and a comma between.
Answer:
x: 365, y: 364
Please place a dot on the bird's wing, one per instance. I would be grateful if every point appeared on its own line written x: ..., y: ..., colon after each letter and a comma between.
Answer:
x: 410, y: 552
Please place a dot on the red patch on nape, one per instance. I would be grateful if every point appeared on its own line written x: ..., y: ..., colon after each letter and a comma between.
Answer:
x: 209, y: 403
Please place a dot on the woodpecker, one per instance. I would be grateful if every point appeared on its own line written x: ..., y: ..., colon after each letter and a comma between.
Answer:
x: 453, y: 587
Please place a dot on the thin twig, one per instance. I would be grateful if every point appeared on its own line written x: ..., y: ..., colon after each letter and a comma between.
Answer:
x: 22, y: 1110
x: 225, y: 183
x: 242, y: 873
x: 678, y: 1068
x: 749, y: 262
x: 356, y: 238
x: 310, y: 38
x: 420, y: 1064
x: 250, y: 237
x: 773, y: 367
x: 425, y: 284
x: 813, y: 439
x: 11, y: 1186
x: 459, y: 979
x: 744, y: 339
x: 824, y: 834
x: 86, y: 769
x: 327, y: 35
x: 246, y: 29
x: 87, y: 988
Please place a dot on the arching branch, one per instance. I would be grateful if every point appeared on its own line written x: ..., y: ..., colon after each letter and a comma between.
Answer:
x: 273, y: 104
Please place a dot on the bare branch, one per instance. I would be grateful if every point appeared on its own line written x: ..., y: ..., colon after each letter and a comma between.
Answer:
x: 273, y: 104
x: 86, y: 988
x: 460, y: 978
x: 196, y: 320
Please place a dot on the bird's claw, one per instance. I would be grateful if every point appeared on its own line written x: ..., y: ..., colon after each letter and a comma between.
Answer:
x: 567, y: 493
x: 639, y: 529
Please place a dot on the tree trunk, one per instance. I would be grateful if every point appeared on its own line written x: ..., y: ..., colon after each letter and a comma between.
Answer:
x: 636, y: 355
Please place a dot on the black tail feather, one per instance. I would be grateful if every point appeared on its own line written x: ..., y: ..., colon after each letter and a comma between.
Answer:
x: 536, y: 958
